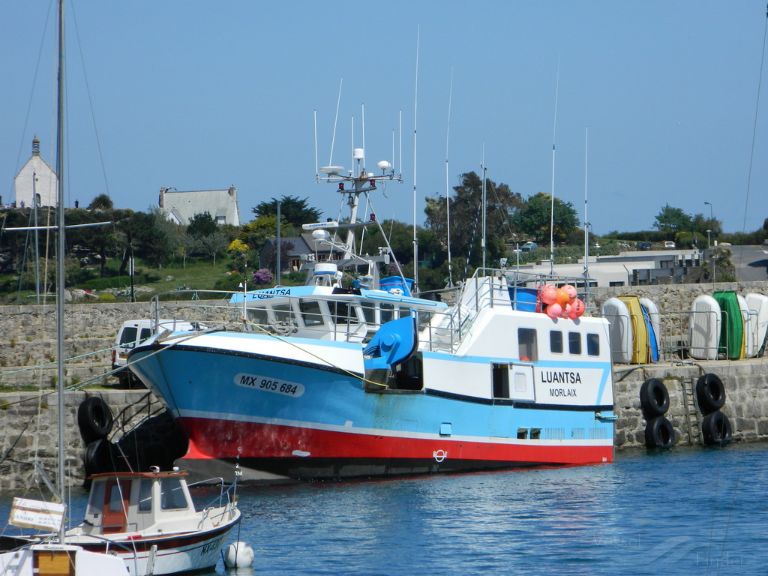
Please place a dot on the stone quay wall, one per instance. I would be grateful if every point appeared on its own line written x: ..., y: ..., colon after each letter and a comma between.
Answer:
x: 29, y: 433
x: 28, y: 338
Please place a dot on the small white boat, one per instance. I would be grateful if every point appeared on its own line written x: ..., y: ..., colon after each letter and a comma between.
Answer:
x: 148, y: 520
x: 704, y: 331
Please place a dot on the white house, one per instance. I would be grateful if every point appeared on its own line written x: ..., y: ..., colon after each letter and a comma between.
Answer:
x: 36, y: 177
x: 179, y: 207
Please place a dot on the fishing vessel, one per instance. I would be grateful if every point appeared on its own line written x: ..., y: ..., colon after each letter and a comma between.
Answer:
x: 355, y: 376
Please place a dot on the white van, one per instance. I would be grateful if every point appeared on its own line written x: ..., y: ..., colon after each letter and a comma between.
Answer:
x: 134, y: 332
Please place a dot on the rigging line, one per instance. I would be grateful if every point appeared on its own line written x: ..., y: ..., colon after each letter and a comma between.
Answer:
x: 335, y: 121
x: 754, y: 125
x: 90, y: 100
x: 34, y: 82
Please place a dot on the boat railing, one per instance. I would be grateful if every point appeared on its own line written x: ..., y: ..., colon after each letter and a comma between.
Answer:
x: 225, y: 495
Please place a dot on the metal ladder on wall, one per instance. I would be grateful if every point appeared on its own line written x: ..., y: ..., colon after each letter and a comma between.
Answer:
x: 691, y: 408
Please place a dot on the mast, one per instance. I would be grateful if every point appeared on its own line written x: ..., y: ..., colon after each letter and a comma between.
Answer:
x: 37, y: 247
x: 552, y: 203
x: 415, y: 115
x: 586, y: 221
x: 484, y: 205
x: 60, y: 274
x: 447, y: 184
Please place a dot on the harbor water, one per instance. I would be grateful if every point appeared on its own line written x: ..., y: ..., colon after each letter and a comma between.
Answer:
x: 686, y: 511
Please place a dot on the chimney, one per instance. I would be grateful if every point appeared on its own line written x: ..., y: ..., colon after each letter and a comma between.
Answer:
x: 232, y: 191
x: 161, y: 201
x: 35, y: 146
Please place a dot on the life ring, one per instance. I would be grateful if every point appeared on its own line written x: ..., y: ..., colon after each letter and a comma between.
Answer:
x: 659, y: 433
x: 654, y: 398
x: 94, y: 418
x: 710, y: 393
x: 716, y: 429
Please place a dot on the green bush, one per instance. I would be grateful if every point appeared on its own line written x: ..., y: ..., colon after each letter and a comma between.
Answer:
x: 107, y: 297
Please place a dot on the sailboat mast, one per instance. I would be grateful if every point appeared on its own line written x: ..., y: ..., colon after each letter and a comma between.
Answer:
x: 60, y: 258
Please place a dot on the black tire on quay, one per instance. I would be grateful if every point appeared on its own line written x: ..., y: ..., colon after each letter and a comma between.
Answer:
x: 94, y: 418
x: 659, y: 433
x: 716, y: 429
x: 654, y: 398
x: 710, y: 393
x: 99, y: 457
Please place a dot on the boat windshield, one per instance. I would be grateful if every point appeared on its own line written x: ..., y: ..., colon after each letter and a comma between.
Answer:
x: 171, y: 494
x: 96, y: 501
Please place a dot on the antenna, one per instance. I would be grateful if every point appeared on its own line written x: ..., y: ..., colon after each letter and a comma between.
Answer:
x: 362, y: 106
x: 353, y: 144
x: 447, y: 183
x: 552, y: 206
x: 400, y: 145
x: 335, y: 122
x: 482, y: 241
x: 317, y: 170
x: 415, y: 115
x: 586, y: 221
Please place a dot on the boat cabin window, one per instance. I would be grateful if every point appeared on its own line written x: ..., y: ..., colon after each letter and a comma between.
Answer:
x: 116, y: 497
x: 258, y: 316
x: 387, y: 312
x: 556, y: 341
x: 283, y: 312
x: 343, y: 313
x: 145, y: 495
x: 96, y: 501
x: 593, y: 344
x: 171, y: 494
x: 369, y: 313
x: 404, y: 312
x: 574, y: 342
x: 311, y: 314
x: 526, y: 344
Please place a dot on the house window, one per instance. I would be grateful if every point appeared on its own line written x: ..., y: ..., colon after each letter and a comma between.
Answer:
x: 556, y: 341
x: 574, y: 342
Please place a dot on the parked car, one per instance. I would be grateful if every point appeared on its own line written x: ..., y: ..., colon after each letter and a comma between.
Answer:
x: 134, y: 332
x: 529, y: 247
x: 669, y: 244
x: 643, y: 245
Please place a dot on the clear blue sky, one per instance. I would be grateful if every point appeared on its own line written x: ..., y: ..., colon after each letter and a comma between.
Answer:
x: 200, y: 95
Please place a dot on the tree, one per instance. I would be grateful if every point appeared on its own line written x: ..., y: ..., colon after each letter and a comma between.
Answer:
x: 534, y: 218
x: 201, y: 225
x: 466, y: 219
x: 101, y: 202
x: 149, y: 236
x: 671, y: 219
x: 212, y: 245
x: 293, y: 210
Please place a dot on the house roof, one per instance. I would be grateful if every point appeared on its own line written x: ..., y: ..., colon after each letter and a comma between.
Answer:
x: 182, y: 206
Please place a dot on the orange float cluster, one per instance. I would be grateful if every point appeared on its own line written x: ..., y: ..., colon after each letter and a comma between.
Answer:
x: 560, y: 302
